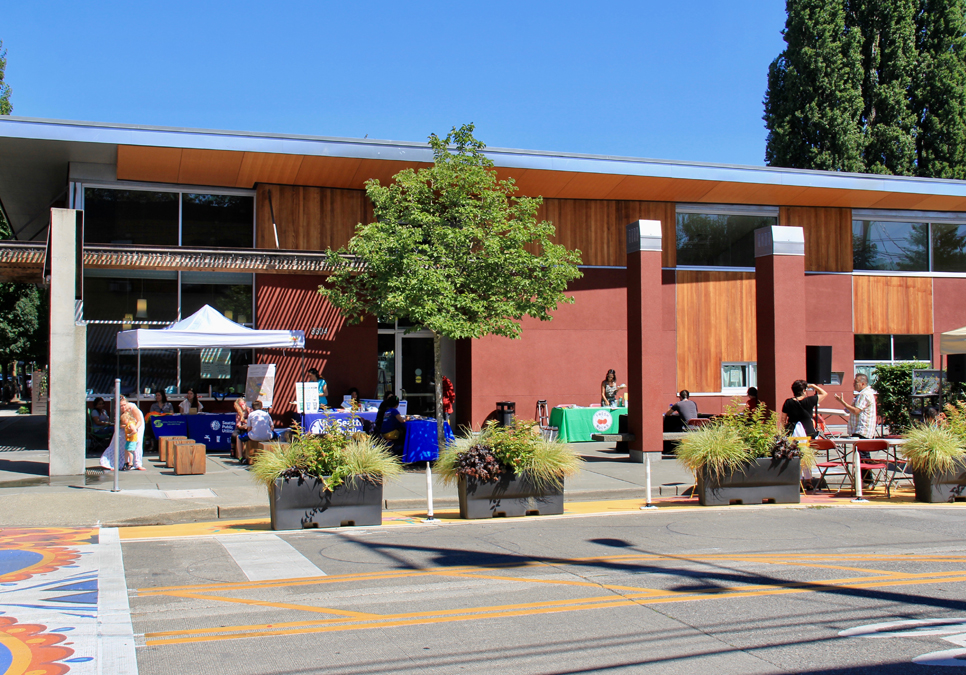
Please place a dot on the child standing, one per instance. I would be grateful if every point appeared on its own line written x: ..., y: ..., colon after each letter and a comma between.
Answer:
x: 130, y: 426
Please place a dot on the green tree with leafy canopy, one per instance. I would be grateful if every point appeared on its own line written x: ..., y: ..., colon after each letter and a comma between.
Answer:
x: 813, y: 105
x: 454, y: 251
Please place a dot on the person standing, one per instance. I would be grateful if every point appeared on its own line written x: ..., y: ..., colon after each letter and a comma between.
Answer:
x: 800, y: 409
x: 323, y: 386
x: 124, y: 406
x: 862, y: 413
x: 241, y: 426
x: 609, y: 389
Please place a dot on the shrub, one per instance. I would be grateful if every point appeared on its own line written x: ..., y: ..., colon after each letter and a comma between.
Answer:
x: 515, y: 450
x: 933, y: 449
x: 334, y: 457
x: 893, y: 387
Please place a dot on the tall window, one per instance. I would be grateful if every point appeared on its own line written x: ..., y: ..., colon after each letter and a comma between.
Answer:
x: 168, y: 218
x: 883, y: 241
x: 719, y: 236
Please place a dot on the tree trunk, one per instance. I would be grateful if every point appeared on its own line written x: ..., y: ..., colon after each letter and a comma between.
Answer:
x: 438, y: 377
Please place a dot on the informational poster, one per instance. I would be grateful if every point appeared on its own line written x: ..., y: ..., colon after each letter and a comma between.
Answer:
x: 260, y: 385
x: 307, y: 397
x: 215, y: 364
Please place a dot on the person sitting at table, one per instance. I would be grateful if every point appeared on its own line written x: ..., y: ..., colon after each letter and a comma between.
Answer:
x: 315, y: 376
x: 752, y: 403
x: 800, y: 409
x: 390, y: 424
x: 609, y: 389
x: 684, y: 410
x: 190, y: 401
x: 101, y: 425
x: 161, y: 405
x: 260, y: 425
x: 352, y: 396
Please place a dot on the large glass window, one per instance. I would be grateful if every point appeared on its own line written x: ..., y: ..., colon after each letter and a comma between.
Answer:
x: 230, y: 294
x: 217, y: 220
x: 156, y: 218
x: 948, y: 247
x: 130, y: 217
x: 135, y: 296
x: 718, y: 240
x: 885, y: 245
x: 873, y: 349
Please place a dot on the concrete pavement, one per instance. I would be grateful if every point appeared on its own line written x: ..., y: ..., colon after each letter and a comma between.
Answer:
x: 226, y: 491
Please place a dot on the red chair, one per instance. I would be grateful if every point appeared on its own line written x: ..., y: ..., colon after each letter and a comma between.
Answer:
x: 865, y: 448
x: 824, y: 444
x: 699, y: 422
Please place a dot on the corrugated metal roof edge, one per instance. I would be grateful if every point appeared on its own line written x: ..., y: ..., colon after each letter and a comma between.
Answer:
x: 241, y: 141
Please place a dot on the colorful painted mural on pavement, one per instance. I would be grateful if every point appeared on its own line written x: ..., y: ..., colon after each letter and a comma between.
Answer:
x: 49, y: 600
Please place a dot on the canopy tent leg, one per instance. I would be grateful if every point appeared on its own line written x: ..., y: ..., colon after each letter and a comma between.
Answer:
x: 138, y: 399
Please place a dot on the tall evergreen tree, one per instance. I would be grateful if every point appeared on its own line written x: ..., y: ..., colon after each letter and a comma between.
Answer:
x: 5, y: 107
x: 939, y: 90
x: 813, y: 105
x: 888, y: 60
x: 911, y: 77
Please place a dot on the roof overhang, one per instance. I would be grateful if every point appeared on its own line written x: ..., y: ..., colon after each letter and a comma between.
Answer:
x: 36, y: 156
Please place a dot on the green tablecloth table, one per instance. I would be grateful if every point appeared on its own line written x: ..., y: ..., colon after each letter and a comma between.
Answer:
x: 575, y: 425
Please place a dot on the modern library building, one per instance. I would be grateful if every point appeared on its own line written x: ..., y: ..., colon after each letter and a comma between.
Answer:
x: 174, y: 219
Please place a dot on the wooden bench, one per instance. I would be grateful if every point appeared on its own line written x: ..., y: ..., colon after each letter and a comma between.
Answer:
x: 252, y: 448
x: 172, y: 450
x: 165, y: 443
x: 621, y: 439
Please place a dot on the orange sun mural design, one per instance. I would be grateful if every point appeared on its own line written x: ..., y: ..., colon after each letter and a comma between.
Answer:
x: 27, y: 648
x: 40, y: 551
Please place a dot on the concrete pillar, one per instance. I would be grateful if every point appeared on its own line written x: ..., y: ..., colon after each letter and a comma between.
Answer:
x: 68, y: 354
x: 645, y: 360
x: 780, y: 304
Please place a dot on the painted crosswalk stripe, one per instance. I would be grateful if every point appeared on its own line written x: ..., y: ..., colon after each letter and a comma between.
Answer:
x: 264, y: 557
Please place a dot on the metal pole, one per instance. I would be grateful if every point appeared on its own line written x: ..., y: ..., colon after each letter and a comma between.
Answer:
x: 647, y: 472
x: 856, y: 475
x: 117, y: 434
x: 429, y: 495
x: 139, y: 377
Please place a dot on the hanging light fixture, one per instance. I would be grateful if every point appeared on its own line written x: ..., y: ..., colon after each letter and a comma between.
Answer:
x: 126, y: 325
x: 142, y: 304
x: 230, y: 315
x: 242, y: 319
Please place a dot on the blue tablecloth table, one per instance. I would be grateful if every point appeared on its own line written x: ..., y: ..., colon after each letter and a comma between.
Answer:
x: 211, y: 429
x: 421, y: 441
x: 318, y: 423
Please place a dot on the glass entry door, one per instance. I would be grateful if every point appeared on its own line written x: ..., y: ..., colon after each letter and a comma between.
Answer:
x: 405, y: 367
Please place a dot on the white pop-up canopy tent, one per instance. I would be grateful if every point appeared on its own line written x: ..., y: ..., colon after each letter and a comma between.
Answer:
x: 208, y: 328
x: 953, y: 342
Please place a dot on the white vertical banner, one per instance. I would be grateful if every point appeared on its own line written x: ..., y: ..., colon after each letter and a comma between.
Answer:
x: 307, y: 397
x: 260, y: 385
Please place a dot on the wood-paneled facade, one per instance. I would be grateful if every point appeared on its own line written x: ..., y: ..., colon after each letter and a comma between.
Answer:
x: 892, y: 305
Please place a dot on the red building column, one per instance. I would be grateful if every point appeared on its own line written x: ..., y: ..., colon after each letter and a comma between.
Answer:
x: 780, y: 305
x: 645, y: 362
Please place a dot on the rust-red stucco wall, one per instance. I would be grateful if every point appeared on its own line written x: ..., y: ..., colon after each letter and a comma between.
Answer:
x: 345, y: 355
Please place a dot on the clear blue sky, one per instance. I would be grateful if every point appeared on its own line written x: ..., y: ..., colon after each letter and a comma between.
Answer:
x: 664, y: 80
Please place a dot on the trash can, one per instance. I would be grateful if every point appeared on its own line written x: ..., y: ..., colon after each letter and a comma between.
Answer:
x: 505, y: 411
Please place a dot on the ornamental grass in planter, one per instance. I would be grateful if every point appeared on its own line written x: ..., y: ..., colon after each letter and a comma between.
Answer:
x: 508, y: 471
x: 937, y: 456
x: 740, y: 458
x: 326, y: 480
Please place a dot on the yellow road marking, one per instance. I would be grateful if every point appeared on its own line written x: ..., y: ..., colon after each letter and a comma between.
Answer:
x: 448, y: 616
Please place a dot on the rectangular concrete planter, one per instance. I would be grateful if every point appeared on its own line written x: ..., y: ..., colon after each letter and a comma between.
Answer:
x: 300, y: 503
x: 510, y: 496
x: 940, y: 488
x: 764, y: 480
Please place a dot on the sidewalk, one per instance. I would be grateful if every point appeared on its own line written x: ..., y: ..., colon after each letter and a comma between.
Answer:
x: 226, y: 491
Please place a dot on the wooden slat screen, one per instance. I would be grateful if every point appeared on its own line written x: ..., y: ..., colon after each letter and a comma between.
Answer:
x: 598, y: 227
x: 892, y: 305
x: 310, y: 219
x: 828, y: 236
x: 715, y: 323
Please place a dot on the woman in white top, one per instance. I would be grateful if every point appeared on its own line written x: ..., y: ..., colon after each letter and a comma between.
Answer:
x: 190, y: 401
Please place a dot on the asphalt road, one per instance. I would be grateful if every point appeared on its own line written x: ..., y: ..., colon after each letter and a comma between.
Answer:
x: 736, y: 590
